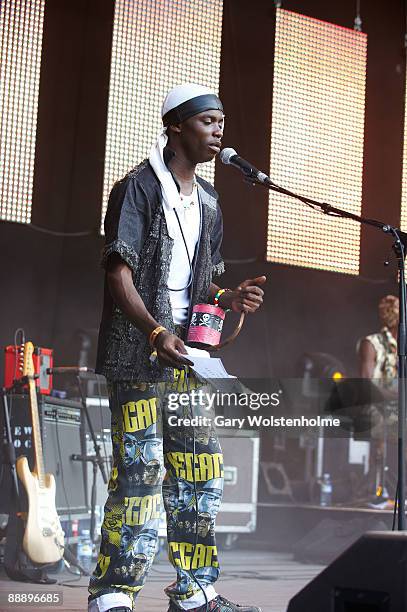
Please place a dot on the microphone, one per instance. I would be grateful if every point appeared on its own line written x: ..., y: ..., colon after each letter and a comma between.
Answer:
x: 229, y: 156
x: 81, y: 457
x: 95, y: 459
x: 69, y: 370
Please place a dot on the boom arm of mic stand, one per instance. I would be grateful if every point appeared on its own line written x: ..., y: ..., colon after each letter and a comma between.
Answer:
x: 328, y: 209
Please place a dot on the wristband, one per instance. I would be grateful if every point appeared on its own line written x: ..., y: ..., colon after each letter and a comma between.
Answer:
x: 217, y: 296
x: 154, y: 334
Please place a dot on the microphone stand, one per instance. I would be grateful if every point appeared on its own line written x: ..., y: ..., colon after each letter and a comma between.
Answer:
x: 94, y: 461
x: 98, y: 457
x: 399, y: 246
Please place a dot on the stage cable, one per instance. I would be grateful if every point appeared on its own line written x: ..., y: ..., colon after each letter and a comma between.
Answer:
x: 62, y: 472
x: 396, y: 502
x: 405, y: 26
x: 186, y: 370
x: 107, y: 457
x: 186, y: 374
x: 44, y: 230
x: 248, y: 260
x: 357, y: 24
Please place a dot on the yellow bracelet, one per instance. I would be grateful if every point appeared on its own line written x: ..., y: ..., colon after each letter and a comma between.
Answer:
x: 154, y: 334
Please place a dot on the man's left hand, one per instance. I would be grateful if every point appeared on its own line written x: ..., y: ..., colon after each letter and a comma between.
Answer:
x: 247, y: 297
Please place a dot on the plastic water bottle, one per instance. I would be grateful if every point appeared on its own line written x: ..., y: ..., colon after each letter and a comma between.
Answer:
x: 326, y: 490
x: 84, y: 553
x: 98, y: 519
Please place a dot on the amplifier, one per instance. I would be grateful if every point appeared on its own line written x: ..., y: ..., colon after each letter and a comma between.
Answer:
x: 42, y: 359
x: 61, y: 437
x: 99, y: 414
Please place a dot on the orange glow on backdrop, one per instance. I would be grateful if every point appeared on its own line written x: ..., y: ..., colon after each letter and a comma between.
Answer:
x: 157, y: 44
x: 21, y: 26
x: 317, y: 137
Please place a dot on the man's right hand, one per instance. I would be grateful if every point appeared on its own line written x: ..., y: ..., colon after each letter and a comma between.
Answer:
x: 170, y: 350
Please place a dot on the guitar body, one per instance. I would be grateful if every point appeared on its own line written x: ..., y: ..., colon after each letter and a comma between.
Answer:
x: 43, y: 538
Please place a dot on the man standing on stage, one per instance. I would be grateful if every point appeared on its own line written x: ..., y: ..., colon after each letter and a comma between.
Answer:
x: 163, y: 232
x: 378, y: 352
x: 378, y: 360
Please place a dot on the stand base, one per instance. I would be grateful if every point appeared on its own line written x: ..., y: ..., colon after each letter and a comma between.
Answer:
x: 22, y: 572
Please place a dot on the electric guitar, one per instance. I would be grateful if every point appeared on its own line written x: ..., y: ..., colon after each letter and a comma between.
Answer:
x: 43, y: 540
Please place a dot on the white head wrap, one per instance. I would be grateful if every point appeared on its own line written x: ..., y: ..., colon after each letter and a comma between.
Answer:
x: 187, y: 100
x: 183, y: 101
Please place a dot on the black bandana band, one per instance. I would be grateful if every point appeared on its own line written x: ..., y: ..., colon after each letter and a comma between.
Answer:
x: 192, y: 107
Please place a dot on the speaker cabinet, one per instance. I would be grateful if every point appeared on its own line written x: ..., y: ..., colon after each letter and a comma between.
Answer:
x: 238, y: 511
x: 276, y: 479
x: 61, y: 438
x: 370, y: 576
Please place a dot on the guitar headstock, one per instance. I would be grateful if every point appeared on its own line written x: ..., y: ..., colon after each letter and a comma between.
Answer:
x: 28, y: 364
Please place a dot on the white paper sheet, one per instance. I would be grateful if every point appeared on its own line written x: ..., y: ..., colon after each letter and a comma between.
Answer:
x: 209, y: 367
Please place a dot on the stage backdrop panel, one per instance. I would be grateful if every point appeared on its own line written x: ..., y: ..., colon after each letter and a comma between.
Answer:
x: 21, y: 27
x: 317, y: 136
x: 157, y: 44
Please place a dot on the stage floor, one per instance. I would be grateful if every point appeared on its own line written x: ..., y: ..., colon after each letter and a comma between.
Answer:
x: 268, y: 580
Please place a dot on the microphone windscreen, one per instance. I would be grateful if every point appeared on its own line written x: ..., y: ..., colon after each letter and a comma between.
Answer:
x: 226, y: 154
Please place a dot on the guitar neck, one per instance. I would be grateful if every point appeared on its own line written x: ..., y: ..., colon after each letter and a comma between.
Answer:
x: 39, y: 458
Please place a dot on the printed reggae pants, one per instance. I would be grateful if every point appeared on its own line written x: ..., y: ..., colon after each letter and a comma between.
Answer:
x: 153, y: 461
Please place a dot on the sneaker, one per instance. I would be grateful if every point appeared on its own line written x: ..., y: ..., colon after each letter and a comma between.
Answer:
x: 121, y: 609
x: 219, y: 604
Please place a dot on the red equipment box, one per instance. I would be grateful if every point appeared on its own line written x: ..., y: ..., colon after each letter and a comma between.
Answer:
x: 42, y: 359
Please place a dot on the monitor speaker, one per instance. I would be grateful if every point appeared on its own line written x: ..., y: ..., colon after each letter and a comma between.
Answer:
x: 276, y: 479
x: 370, y: 576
